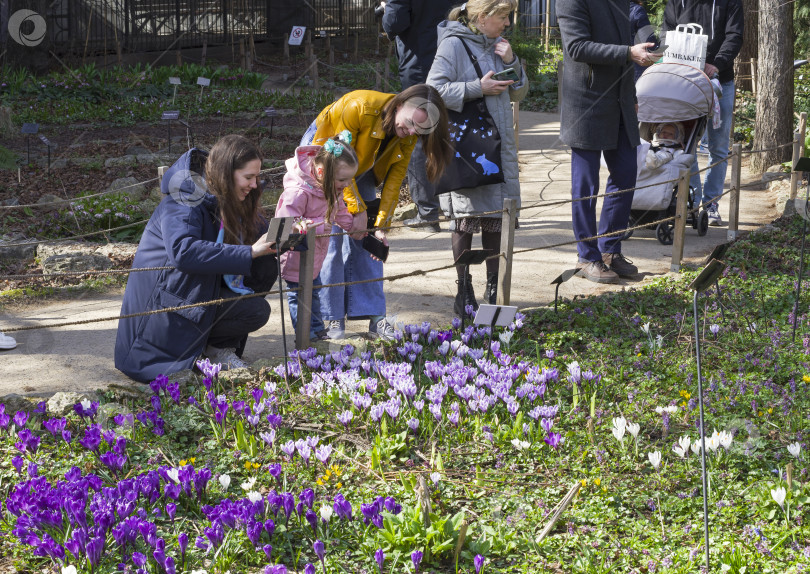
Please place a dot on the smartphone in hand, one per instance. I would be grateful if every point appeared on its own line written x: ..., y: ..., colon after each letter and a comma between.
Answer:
x: 507, y: 74
x: 376, y: 247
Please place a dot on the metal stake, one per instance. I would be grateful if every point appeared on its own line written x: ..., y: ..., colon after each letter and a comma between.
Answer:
x: 702, y: 431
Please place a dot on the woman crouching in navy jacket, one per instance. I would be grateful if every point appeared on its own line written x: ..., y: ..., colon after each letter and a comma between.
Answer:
x: 211, y: 232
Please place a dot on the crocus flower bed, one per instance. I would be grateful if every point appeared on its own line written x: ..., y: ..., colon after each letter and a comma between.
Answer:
x: 449, y: 450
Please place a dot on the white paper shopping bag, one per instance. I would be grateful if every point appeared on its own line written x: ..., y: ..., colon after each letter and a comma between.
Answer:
x: 686, y: 45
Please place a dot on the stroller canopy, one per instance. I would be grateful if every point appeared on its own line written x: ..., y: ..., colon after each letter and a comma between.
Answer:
x: 670, y: 92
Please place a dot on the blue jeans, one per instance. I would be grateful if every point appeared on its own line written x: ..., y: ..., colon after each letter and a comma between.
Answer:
x: 712, y: 185
x: 347, y: 261
x: 621, y: 164
x: 421, y: 188
x: 316, y: 324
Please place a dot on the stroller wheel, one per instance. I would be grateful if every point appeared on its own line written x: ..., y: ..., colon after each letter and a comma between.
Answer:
x: 702, y: 223
x: 665, y: 232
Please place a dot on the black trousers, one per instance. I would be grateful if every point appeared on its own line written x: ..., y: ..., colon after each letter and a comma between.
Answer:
x: 235, y: 319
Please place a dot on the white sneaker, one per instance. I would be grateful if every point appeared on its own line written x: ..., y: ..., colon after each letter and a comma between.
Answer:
x: 382, y: 329
x: 336, y: 329
x: 7, y: 342
x: 227, y: 357
x: 714, y: 216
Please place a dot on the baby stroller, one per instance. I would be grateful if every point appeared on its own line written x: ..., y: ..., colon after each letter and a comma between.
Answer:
x: 669, y: 93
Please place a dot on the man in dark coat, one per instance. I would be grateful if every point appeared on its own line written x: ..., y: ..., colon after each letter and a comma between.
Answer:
x: 412, y: 25
x: 598, y: 116
x: 722, y: 22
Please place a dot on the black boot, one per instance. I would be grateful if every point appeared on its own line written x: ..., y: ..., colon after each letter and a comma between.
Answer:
x: 491, y: 292
x: 465, y: 296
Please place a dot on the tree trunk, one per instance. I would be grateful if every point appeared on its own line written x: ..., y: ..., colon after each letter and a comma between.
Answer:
x: 742, y: 65
x: 774, y: 123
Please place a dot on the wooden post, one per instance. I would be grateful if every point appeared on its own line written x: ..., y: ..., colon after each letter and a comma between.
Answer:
x: 204, y: 52
x: 507, y: 247
x: 803, y: 130
x: 346, y: 39
x: 314, y: 67
x: 379, y: 35
x: 242, y: 60
x: 754, y: 76
x: 734, y: 196
x: 308, y: 45
x: 161, y: 170
x: 377, y: 77
x: 331, y: 66
x: 680, y: 221
x: 306, y: 268
x: 287, y: 49
x: 328, y: 42
x: 356, y: 47
x: 178, y: 57
x: 795, y: 176
x: 386, y: 76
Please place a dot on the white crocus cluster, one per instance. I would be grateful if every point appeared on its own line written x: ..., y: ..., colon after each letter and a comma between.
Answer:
x: 619, y: 427
x: 681, y: 448
x: 655, y: 458
x: 520, y: 444
x: 668, y: 409
x: 795, y: 449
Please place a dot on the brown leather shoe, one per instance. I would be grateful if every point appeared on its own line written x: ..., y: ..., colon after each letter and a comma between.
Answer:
x: 619, y: 264
x: 597, y: 272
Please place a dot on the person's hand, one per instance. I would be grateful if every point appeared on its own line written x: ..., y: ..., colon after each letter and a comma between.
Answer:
x: 302, y: 225
x: 641, y: 56
x: 490, y: 87
x: 262, y: 247
x: 379, y: 234
x: 358, y: 229
x: 504, y: 50
x: 710, y: 70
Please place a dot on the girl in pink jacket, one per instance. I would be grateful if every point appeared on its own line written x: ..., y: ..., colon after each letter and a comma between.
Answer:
x: 313, y: 192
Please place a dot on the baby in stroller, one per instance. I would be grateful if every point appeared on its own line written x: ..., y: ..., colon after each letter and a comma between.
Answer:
x: 667, y: 144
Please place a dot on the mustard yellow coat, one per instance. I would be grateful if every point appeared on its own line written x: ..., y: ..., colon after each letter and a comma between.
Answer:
x: 360, y: 112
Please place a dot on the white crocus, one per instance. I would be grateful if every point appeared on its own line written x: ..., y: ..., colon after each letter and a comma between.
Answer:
x: 254, y: 496
x: 779, y: 495
x: 725, y: 439
x: 436, y: 477
x: 248, y: 485
x: 633, y: 429
x: 795, y: 449
x: 506, y: 337
x: 668, y: 409
x: 713, y: 442
x: 678, y: 449
x: 646, y: 328
x: 225, y: 481
x: 174, y: 475
x: 520, y: 444
x: 619, y: 426
x: 69, y: 569
x: 326, y: 512
x: 696, y: 446
x: 655, y: 458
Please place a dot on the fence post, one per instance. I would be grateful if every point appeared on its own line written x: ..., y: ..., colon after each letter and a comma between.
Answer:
x: 306, y: 268
x: 507, y: 247
x: 680, y: 221
x: 377, y: 77
x: 356, y: 47
x: 798, y: 149
x: 205, y: 52
x: 331, y: 66
x: 161, y: 170
x: 315, y: 80
x: 308, y: 44
x: 754, y: 77
x: 286, y: 48
x: 734, y: 196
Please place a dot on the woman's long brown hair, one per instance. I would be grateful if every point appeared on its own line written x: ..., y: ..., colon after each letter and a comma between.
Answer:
x: 435, y: 134
x: 242, y: 219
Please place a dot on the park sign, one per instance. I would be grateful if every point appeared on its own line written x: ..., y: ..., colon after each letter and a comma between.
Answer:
x: 297, y: 35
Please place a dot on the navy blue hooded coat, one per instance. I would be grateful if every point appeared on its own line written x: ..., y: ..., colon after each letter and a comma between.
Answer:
x: 181, y: 233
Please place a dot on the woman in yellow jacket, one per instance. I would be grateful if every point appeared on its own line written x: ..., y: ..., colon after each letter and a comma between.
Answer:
x: 384, y: 130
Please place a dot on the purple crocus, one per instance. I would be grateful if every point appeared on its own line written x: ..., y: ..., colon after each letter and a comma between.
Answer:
x: 416, y: 558
x: 379, y: 556
x: 309, y: 568
x: 320, y: 551
x: 268, y: 551
x: 20, y: 418
x: 478, y: 562
x: 94, y: 549
x: 322, y: 453
x: 182, y: 542
x: 554, y: 440
x: 345, y: 418
x: 274, y: 470
x: 17, y: 463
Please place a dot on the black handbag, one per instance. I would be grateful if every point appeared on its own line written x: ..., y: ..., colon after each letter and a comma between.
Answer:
x: 477, y: 157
